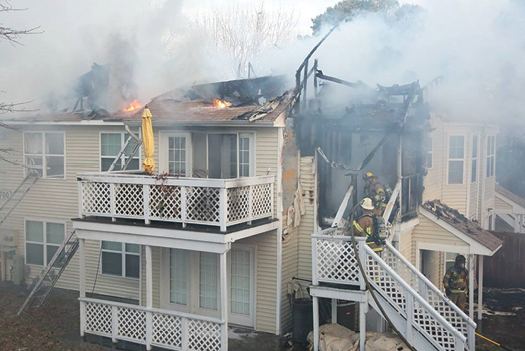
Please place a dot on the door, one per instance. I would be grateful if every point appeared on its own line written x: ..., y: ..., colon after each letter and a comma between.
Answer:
x: 222, y: 156
x: 175, y: 154
x: 242, y: 286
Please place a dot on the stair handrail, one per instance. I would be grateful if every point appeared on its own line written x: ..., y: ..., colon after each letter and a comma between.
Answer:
x: 430, y: 285
x: 424, y: 304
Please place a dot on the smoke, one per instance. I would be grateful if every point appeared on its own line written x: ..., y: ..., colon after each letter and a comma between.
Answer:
x: 476, y: 45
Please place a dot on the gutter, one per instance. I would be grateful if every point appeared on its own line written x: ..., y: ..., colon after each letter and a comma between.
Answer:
x: 51, y: 123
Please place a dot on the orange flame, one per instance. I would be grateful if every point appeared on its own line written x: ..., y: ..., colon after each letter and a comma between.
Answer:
x: 217, y: 103
x: 133, y: 106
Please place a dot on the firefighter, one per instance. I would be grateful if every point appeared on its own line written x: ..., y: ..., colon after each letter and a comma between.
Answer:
x: 364, y: 226
x: 375, y: 191
x: 456, y: 282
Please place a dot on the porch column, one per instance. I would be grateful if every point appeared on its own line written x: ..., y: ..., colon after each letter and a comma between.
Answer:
x: 471, y: 286
x: 224, y: 300
x: 363, y: 309
x: 315, y: 301
x: 480, y: 287
x: 82, y: 283
x: 149, y: 297
x: 334, y: 310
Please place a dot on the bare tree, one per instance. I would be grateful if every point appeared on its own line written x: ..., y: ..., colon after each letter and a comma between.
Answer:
x: 12, y: 35
x: 243, y: 32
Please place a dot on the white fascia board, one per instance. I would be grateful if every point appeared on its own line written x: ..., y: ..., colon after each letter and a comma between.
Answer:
x: 229, y: 123
x: 409, y: 224
x: 340, y: 294
x: 474, y: 246
x: 153, y: 233
x: 79, y: 123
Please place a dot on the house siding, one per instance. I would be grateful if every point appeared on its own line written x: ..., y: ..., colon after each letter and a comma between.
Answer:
x: 57, y: 200
x: 307, y: 227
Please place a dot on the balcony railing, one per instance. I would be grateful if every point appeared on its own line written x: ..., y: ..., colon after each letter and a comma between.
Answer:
x: 212, y: 202
x: 152, y: 327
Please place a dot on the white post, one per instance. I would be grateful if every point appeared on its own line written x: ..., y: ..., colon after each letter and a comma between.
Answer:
x: 80, y: 200
x: 410, y: 317
x: 145, y: 196
x: 223, y: 208
x: 314, y: 261
x: 224, y: 300
x: 362, y: 325
x: 480, y: 287
x: 112, y: 201
x: 149, y: 297
x: 250, y: 204
x: 183, y: 202
x: 272, y: 192
x: 114, y: 324
x: 334, y: 310
x: 82, y: 283
x: 316, y: 322
x: 362, y: 257
x: 471, y: 286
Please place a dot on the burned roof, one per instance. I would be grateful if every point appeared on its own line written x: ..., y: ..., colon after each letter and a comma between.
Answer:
x: 472, y: 229
x: 510, y: 195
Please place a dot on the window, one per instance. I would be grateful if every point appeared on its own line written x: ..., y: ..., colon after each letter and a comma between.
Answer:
x: 455, y: 159
x: 450, y: 260
x: 240, y: 277
x: 42, y: 241
x: 110, y: 146
x: 177, y: 156
x: 244, y: 155
x: 491, y: 152
x: 179, y: 276
x: 120, y: 259
x: 474, y: 175
x: 429, y: 148
x: 44, y: 153
x: 208, y: 280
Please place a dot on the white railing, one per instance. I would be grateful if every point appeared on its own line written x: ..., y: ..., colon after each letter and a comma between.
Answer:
x: 334, y: 260
x: 152, y: 327
x: 419, y: 314
x: 215, y: 202
x: 430, y: 293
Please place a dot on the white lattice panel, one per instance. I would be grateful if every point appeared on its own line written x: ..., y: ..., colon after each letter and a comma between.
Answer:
x: 387, y: 284
x: 336, y: 261
x: 131, y: 324
x: 262, y: 200
x: 434, y: 300
x: 203, y: 204
x: 129, y: 200
x: 435, y: 330
x: 167, y: 330
x: 96, y: 198
x: 204, y: 336
x: 98, y: 318
x: 238, y: 199
x: 165, y: 202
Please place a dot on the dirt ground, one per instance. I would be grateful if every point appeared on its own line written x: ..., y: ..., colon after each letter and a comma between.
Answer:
x: 55, y: 326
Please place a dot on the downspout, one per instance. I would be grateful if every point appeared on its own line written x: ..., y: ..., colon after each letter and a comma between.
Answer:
x: 469, y: 175
x: 279, y: 229
x: 483, y: 173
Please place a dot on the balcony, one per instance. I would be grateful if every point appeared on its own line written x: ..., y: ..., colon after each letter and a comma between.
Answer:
x: 220, y: 203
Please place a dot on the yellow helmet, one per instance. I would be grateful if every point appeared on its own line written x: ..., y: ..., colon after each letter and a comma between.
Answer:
x: 367, y: 175
x: 366, y: 204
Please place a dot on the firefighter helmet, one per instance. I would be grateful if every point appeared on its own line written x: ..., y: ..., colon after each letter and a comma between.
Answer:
x: 366, y: 204
x: 460, y: 259
x: 367, y: 175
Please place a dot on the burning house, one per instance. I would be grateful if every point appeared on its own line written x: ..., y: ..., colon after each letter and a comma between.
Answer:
x: 248, y: 209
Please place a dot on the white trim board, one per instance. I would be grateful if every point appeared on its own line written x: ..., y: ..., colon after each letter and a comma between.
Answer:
x: 475, y: 247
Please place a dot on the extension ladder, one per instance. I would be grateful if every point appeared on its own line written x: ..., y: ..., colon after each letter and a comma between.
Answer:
x: 18, y: 195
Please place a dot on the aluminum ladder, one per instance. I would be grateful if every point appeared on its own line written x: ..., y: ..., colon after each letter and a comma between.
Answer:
x: 51, y: 273
x: 18, y: 195
x: 123, y: 151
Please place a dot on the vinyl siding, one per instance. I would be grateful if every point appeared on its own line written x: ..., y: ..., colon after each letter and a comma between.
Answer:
x: 307, y: 227
x: 289, y: 270
x: 57, y: 200
x: 501, y: 205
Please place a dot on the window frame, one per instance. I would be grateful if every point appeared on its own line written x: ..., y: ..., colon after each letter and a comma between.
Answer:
x: 490, y: 156
x: 474, y: 159
x: 44, y: 239
x: 44, y: 154
x: 462, y: 160
x: 123, y: 254
x: 251, y: 154
x: 429, y: 152
x: 164, y: 136
x: 122, y: 142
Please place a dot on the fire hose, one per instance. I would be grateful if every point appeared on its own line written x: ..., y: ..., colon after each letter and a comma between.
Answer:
x: 493, y: 342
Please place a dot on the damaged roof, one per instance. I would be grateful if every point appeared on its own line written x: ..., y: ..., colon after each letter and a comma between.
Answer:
x: 472, y: 229
x: 510, y: 195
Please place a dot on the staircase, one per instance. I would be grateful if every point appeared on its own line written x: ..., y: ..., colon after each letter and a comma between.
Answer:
x: 18, y: 195
x: 51, y: 273
x: 417, y: 308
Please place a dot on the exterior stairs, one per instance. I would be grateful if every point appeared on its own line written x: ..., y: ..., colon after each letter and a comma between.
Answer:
x: 416, y: 307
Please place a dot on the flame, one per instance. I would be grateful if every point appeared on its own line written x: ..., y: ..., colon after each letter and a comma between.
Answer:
x: 217, y: 103
x: 133, y: 106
